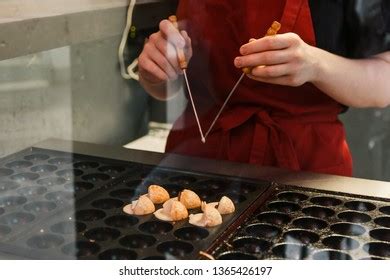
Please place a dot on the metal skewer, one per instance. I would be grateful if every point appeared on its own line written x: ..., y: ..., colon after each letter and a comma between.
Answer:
x: 183, y: 65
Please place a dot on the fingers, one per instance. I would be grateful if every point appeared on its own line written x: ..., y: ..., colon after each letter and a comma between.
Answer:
x: 268, y: 43
x: 171, y: 34
x: 283, y: 74
x: 263, y: 58
x: 159, y: 59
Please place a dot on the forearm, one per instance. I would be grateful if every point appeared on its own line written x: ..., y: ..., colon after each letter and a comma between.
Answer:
x: 353, y: 82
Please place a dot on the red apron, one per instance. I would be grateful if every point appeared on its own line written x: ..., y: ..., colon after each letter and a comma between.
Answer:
x: 296, y: 128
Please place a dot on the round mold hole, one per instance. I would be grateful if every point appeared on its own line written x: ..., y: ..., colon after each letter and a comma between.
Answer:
x: 126, y: 194
x: 86, y: 165
x: 191, y: 233
x: 310, y: 223
x: 5, y: 172
x: 6, y: 186
x: 251, y: 245
x: 68, y: 227
x: 385, y: 210
x: 69, y: 174
x: 81, y: 249
x: 234, y: 255
x: 118, y: 254
x: 59, y: 196
x: 205, y: 194
x: 19, y: 164
x: 175, y: 248
x: 96, y: 177
x: 292, y: 251
x: 215, y: 185
x: 236, y: 198
x: 274, y: 218
x: 112, y: 169
x: 102, y: 234
x: 155, y: 258
x: 183, y: 180
x: 243, y: 188
x: 174, y: 189
x: 138, y: 241
x: 45, y: 241
x: 372, y: 259
x: 23, y: 177
x: 36, y: 157
x: 4, y: 230
x: 17, y: 218
x: 134, y: 184
x: 326, y: 201
x: 354, y: 217
x: 32, y: 191
x: 381, y: 234
x: 318, y: 212
x: 155, y: 176
x: 292, y: 196
x: 40, y: 207
x: 348, y: 229
x: 78, y: 186
x: 340, y: 242
x: 60, y: 161
x: 361, y: 206
x: 90, y: 215
x: 263, y: 230
x: 300, y: 237
x: 121, y: 221
x: 51, y: 181
x: 156, y: 227
x: 379, y: 249
x: 107, y: 203
x: 283, y: 206
x: 331, y: 255
x: 383, y: 221
x: 9, y: 201
x: 44, y: 168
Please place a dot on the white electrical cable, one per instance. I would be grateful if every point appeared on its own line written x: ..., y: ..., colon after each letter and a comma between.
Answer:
x: 128, y: 73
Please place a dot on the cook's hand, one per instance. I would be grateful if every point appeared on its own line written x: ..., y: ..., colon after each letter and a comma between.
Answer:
x: 283, y: 59
x: 158, y: 61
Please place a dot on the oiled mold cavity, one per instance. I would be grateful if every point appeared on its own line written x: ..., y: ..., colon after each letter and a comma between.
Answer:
x: 183, y: 180
x: 318, y: 212
x: 36, y: 157
x: 59, y: 196
x: 175, y: 248
x: 381, y: 234
x: 283, y: 206
x: 60, y: 161
x: 118, y: 254
x: 68, y: 227
x: 78, y: 187
x: 19, y: 164
x: 310, y: 223
x: 300, y: 237
x: 292, y: 196
x: 191, y: 233
x: 40, y: 207
x: 32, y: 191
x: 81, y: 249
x: 137, y: 241
x: 4, y: 230
x: 340, y: 242
x: 69, y: 174
x: 51, y: 181
x: 9, y: 201
x: 112, y: 169
x: 96, y: 177
x: 326, y: 201
x: 102, y: 234
x: 121, y: 221
x: 17, y: 218
x: 331, y: 255
x: 354, y: 217
x: 263, y: 230
x: 45, y: 168
x: 45, y: 241
x: 107, y: 203
x: 8, y: 186
x: 383, y: 221
x: 156, y: 227
x: 362, y: 206
x: 26, y: 176
x: 85, y: 165
x: 379, y: 249
x: 251, y: 245
x: 385, y: 210
x: 90, y: 215
x: 274, y: 218
x: 348, y: 229
x: 292, y: 251
x: 5, y: 172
